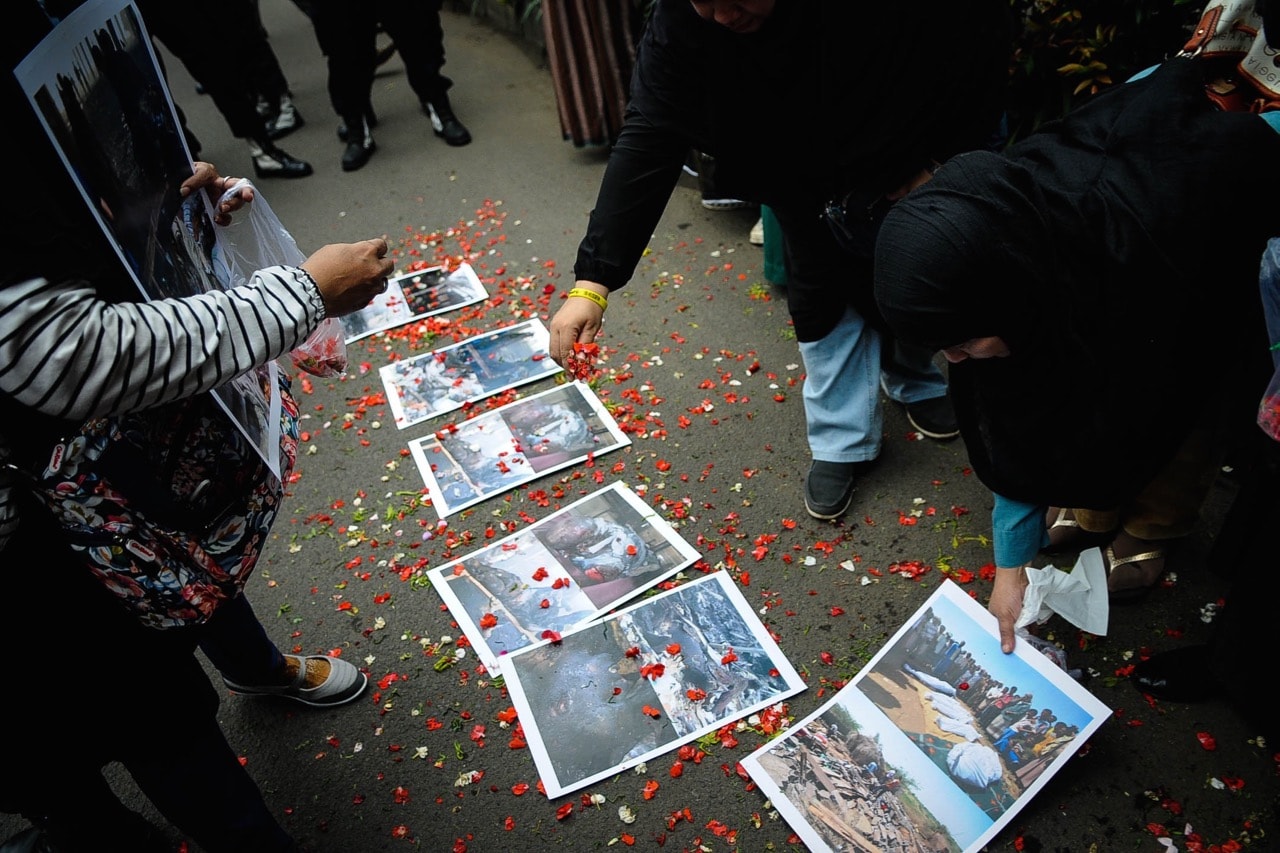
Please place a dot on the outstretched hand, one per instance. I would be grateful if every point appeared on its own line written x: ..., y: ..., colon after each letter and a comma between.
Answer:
x: 578, y: 321
x: 350, y: 275
x: 1006, y: 602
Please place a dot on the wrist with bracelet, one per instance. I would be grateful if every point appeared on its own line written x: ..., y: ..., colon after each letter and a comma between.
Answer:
x: 601, y: 301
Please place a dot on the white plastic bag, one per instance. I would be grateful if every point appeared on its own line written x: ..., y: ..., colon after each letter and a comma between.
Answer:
x: 256, y: 239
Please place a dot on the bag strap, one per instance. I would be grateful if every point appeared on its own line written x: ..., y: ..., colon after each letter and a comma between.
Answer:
x: 1205, y: 30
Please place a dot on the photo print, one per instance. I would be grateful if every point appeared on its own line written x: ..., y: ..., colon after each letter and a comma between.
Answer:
x: 939, y: 741
x: 500, y: 449
x: 444, y: 379
x: 643, y: 681
x: 566, y: 569
x: 413, y: 296
x: 97, y: 88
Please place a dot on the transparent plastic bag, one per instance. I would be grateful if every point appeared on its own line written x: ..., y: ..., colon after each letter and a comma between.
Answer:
x: 256, y: 239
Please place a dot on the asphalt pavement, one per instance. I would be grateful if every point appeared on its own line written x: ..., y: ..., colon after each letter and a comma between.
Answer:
x: 702, y: 369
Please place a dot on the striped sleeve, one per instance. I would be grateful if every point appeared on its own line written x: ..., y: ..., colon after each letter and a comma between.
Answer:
x: 66, y: 353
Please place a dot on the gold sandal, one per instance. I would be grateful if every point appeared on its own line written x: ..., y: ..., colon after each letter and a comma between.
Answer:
x: 1133, y: 594
x: 1076, y: 538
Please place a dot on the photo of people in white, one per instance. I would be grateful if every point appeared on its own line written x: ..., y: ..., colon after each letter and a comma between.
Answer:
x: 561, y: 571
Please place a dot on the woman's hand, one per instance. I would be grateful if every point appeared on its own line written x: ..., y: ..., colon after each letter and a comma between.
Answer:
x: 579, y: 320
x: 350, y: 275
x: 1006, y: 602
x: 205, y: 176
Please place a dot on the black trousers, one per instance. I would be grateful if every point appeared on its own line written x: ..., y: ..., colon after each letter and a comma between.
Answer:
x: 152, y: 709
x: 347, y: 31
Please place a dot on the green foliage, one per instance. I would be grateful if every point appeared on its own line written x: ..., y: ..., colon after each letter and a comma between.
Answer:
x: 1066, y: 51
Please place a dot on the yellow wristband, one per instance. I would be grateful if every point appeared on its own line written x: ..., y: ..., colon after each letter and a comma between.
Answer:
x: 592, y: 295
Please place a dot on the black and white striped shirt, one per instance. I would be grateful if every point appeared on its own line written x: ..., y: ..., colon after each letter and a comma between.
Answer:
x: 69, y: 354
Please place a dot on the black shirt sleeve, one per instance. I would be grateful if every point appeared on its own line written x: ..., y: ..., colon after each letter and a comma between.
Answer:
x: 643, y: 169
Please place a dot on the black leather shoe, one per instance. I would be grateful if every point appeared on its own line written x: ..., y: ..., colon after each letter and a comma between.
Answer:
x: 1179, y: 675
x: 445, y: 123
x: 274, y: 163
x: 358, y: 153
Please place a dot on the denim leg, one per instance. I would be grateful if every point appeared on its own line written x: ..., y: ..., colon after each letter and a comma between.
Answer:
x: 841, y: 392
x: 236, y: 643
x: 910, y: 375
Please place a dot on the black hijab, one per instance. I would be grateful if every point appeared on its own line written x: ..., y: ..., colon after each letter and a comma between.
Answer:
x: 1117, y: 253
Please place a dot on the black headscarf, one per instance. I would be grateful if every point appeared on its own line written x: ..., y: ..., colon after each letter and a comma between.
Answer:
x: 1116, y: 252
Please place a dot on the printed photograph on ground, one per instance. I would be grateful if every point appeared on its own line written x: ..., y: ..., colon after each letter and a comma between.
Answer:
x: 413, y: 296
x: 645, y: 680
x: 935, y: 745
x: 559, y: 572
x: 442, y: 380
x: 462, y: 464
x: 99, y: 92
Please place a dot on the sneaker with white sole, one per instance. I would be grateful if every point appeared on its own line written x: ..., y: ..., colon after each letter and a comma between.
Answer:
x: 934, y: 418
x: 345, y: 683
x: 725, y: 203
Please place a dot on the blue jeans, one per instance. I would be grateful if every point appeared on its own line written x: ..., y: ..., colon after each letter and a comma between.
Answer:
x: 843, y: 375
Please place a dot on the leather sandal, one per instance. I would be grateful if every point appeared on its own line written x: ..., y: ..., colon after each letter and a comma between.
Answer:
x: 1071, y: 536
x: 1133, y: 594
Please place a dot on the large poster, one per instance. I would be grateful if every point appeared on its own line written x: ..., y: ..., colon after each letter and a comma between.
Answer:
x: 936, y: 743
x: 98, y: 90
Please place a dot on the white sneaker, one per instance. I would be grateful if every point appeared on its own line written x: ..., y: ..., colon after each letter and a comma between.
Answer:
x: 757, y: 233
x: 725, y: 203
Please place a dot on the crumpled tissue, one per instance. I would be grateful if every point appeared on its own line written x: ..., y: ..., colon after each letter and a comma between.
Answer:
x: 1079, y: 596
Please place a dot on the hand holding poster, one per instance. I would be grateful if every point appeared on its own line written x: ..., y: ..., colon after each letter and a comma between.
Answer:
x: 940, y: 739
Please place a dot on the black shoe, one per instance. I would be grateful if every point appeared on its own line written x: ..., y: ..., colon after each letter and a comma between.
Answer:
x: 828, y: 488
x: 934, y: 417
x: 1179, y: 675
x: 445, y: 123
x: 358, y: 151
x: 274, y: 163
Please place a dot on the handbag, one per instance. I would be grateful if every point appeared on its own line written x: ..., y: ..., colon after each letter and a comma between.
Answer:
x: 1229, y: 35
x: 169, y: 507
